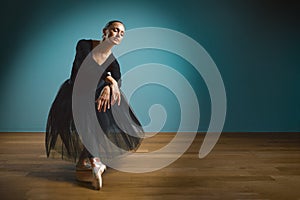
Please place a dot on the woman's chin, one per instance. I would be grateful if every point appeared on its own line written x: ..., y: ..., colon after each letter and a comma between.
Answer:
x: 115, y: 41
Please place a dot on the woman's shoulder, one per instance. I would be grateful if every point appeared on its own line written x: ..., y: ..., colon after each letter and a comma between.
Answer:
x: 83, y: 43
x: 87, y: 43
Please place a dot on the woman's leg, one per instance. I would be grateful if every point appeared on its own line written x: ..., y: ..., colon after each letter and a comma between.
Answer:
x: 84, y: 160
x: 84, y: 168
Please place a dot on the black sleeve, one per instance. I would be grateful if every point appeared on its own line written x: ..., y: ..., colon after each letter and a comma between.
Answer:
x: 83, y: 48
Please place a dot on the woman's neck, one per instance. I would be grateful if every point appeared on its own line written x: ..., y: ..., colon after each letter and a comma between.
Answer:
x: 101, y: 52
x: 104, y: 48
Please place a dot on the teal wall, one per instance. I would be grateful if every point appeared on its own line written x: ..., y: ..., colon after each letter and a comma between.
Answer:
x: 255, y: 45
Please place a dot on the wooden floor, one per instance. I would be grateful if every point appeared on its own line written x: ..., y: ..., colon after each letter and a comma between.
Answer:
x: 241, y: 166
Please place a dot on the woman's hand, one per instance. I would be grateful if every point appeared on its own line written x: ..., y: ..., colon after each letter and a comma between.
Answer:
x: 116, y: 96
x: 103, y: 101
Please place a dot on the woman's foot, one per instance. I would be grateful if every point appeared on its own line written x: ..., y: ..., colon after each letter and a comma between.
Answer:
x: 97, y: 169
x: 84, y: 170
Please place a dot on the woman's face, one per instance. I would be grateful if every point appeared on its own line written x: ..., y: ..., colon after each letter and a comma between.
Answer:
x: 114, y: 33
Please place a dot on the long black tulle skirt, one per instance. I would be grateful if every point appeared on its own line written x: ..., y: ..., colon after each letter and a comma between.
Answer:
x: 63, y: 141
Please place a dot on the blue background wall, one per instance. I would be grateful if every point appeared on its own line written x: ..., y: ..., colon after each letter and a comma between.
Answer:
x: 255, y: 45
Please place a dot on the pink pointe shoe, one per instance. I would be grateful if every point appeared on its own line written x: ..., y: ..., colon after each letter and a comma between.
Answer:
x: 97, y: 169
x: 84, y: 171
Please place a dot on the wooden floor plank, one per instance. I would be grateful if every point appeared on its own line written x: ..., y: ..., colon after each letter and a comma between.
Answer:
x: 241, y: 166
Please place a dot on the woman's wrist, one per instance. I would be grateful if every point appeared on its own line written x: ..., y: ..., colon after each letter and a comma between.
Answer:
x: 111, y: 80
x: 106, y: 87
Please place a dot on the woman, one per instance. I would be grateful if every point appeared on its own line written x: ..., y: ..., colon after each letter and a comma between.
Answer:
x: 61, y: 136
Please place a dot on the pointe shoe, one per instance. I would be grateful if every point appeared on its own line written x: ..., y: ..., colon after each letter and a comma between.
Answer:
x: 97, y: 169
x: 84, y: 164
x: 84, y: 171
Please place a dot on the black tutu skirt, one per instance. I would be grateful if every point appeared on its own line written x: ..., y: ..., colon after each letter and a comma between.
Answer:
x: 119, y: 124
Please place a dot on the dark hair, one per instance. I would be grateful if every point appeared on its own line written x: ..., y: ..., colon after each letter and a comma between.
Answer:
x: 111, y: 22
